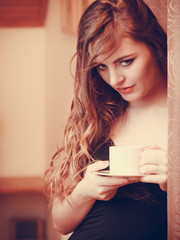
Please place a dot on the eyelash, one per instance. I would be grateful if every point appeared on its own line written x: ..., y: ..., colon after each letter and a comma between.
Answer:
x: 101, y: 67
x: 127, y: 62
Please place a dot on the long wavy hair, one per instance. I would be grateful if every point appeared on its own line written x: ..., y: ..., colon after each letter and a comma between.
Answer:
x: 96, y: 105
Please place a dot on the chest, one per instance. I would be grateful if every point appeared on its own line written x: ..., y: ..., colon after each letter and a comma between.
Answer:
x: 143, y: 128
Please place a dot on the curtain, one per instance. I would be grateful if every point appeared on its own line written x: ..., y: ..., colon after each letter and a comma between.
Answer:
x: 173, y: 7
x: 168, y: 14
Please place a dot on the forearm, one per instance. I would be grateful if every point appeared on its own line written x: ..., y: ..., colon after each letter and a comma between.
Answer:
x: 69, y: 214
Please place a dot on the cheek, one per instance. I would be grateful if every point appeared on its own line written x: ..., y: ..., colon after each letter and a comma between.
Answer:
x: 150, y: 76
x: 144, y: 74
x: 139, y: 76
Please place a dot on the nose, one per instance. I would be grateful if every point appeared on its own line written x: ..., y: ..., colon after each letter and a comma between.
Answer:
x: 116, y: 78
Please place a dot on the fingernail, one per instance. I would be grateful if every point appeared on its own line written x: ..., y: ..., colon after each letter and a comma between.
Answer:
x: 146, y: 147
x: 125, y: 181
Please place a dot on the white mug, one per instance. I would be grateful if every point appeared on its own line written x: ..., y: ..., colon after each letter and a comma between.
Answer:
x: 124, y: 160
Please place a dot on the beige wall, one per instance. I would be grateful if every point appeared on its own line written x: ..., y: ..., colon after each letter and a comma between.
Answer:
x: 35, y: 93
x: 59, y: 86
x: 59, y: 83
x: 22, y: 101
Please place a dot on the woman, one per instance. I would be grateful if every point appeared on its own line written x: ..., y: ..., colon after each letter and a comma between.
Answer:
x: 120, y: 97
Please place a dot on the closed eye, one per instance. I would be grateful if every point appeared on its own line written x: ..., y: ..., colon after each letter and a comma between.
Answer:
x: 127, y: 62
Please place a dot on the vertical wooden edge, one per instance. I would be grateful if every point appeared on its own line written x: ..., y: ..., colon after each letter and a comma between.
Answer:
x: 40, y: 229
x: 43, y: 12
x: 65, y: 16
x: 174, y: 119
x: 70, y: 14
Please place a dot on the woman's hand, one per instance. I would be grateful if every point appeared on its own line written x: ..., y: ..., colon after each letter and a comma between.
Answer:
x: 98, y: 187
x: 153, y: 165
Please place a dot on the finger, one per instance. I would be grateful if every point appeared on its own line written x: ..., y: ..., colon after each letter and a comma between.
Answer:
x: 159, y: 179
x: 153, y: 157
x: 151, y: 147
x: 107, y: 195
x: 99, y: 165
x: 112, y: 181
x: 117, y: 181
x: 153, y: 169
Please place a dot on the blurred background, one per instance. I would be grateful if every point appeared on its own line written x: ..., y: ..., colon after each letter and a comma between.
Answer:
x: 37, y: 42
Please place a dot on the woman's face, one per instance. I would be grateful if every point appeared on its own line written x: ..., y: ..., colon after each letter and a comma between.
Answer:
x: 132, y: 70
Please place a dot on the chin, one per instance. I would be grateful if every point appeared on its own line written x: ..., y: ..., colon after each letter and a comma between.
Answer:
x: 132, y: 99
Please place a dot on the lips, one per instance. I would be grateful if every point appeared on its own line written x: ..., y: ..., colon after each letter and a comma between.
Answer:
x: 126, y: 90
